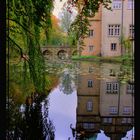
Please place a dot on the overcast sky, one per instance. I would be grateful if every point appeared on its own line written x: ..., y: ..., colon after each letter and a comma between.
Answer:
x: 58, y: 4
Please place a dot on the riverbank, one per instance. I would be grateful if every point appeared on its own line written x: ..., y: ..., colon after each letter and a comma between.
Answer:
x: 116, y: 59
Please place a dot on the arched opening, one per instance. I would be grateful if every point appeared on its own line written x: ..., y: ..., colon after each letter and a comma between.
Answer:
x: 62, y: 54
x: 74, y: 53
x: 47, y: 54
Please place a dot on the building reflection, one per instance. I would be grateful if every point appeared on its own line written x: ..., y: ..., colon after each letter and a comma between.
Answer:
x: 88, y: 116
x: 104, y: 103
x: 116, y: 103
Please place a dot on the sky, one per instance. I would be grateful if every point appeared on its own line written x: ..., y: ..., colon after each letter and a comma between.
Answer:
x: 58, y: 4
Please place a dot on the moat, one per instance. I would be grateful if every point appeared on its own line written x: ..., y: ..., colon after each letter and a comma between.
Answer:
x: 89, y: 101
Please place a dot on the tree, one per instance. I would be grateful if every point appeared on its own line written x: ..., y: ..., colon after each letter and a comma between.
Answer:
x: 57, y: 36
x: 126, y: 44
x: 86, y: 9
x: 66, y: 20
x: 127, y: 67
x: 26, y: 19
x: 66, y: 84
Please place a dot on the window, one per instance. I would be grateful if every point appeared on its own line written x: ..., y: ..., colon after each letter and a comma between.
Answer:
x: 117, y: 4
x: 90, y: 83
x: 107, y: 120
x: 88, y: 125
x: 130, y: 4
x: 113, y: 29
x: 90, y: 33
x: 113, y: 110
x: 131, y: 30
x: 90, y: 48
x: 89, y: 106
x: 130, y: 88
x: 113, y: 46
x: 127, y: 110
x: 112, y: 87
x: 126, y: 120
x: 110, y: 29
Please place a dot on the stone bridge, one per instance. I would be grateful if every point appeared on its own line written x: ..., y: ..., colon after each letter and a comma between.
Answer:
x: 58, y: 52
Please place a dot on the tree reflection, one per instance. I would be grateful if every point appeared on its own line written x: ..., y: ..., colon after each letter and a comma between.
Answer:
x: 67, y: 82
x: 126, y: 73
x: 48, y: 127
x: 30, y: 123
x: 24, y: 107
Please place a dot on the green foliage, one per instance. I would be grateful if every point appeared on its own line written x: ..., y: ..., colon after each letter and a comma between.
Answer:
x: 126, y: 73
x: 57, y: 38
x: 86, y: 9
x: 71, y: 39
x: 86, y: 57
x: 26, y: 21
x: 127, y: 45
x: 127, y: 67
x: 80, y: 27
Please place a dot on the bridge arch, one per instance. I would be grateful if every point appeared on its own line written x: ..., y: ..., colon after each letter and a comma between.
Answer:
x: 47, y: 54
x: 74, y: 52
x: 62, y: 54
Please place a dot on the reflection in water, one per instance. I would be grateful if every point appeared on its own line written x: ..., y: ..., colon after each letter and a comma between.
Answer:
x: 130, y: 135
x: 27, y: 123
x: 101, y: 108
x: 88, y: 119
x: 104, y: 104
x: 66, y: 82
x: 48, y: 127
x: 62, y: 112
x: 116, y: 104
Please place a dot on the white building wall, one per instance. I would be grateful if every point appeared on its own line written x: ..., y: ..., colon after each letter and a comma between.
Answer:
x: 114, y: 17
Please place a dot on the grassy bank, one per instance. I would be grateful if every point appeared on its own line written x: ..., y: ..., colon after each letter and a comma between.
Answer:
x: 116, y: 59
x: 95, y: 58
